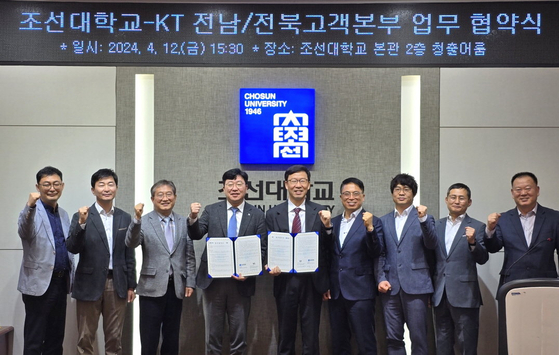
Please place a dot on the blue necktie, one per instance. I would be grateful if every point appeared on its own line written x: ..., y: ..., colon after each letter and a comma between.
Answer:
x: 169, y: 233
x: 232, y: 228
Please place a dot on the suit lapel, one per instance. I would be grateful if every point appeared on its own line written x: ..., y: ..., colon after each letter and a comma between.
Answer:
x: 283, y: 218
x: 245, y: 220
x: 411, y: 216
x: 538, y: 223
x: 391, y: 227
x: 354, y: 228
x: 310, y: 216
x: 98, y: 224
x: 178, y: 230
x: 459, y: 233
x: 518, y: 227
x: 222, y: 213
x: 117, y: 215
x: 441, y: 233
x: 45, y: 218
x: 336, y: 222
x: 155, y: 222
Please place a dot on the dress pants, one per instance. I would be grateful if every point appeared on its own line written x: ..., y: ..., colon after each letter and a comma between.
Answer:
x: 452, y: 323
x: 160, y: 315
x: 113, y: 309
x: 45, y: 318
x: 412, y: 310
x: 219, y: 300
x: 357, y: 317
x: 298, y: 299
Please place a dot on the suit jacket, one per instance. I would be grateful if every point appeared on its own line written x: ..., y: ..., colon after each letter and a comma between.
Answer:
x: 405, y: 263
x: 158, y: 259
x: 523, y: 261
x: 213, y: 222
x: 277, y: 220
x: 456, y: 272
x: 39, y: 249
x: 92, y: 245
x: 352, y: 264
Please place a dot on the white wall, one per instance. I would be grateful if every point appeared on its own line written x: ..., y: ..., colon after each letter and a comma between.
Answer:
x: 59, y: 116
x: 495, y: 123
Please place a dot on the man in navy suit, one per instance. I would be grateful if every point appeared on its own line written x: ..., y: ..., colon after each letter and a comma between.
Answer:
x: 403, y: 275
x: 298, y: 293
x: 106, y: 273
x: 226, y: 297
x: 354, y: 245
x: 457, y: 297
x: 529, y: 233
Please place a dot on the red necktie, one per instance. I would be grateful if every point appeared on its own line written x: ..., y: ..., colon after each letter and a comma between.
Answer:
x: 296, y: 228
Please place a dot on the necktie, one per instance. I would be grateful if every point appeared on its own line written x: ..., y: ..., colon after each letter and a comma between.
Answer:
x: 296, y: 228
x: 232, y: 228
x: 169, y: 233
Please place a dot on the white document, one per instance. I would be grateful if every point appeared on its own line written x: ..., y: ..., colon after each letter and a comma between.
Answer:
x: 280, y: 251
x: 306, y: 252
x: 293, y: 254
x: 248, y: 256
x: 220, y: 257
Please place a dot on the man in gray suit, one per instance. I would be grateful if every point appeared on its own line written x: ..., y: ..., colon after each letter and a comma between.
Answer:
x: 457, y: 297
x: 168, y: 269
x: 403, y: 275
x: 46, y: 273
x: 231, y: 218
x: 106, y: 272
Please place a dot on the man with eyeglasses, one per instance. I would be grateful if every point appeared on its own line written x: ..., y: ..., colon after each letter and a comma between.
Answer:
x: 457, y: 297
x: 226, y: 297
x: 46, y: 273
x: 528, y: 233
x: 354, y: 245
x: 168, y: 269
x: 106, y: 272
x: 403, y: 274
x: 298, y: 295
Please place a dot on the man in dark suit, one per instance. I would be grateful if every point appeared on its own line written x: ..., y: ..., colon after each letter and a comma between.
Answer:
x: 168, y: 270
x: 403, y: 270
x: 457, y: 297
x: 220, y: 297
x: 46, y: 273
x: 354, y: 246
x: 298, y: 293
x: 106, y: 272
x: 529, y: 233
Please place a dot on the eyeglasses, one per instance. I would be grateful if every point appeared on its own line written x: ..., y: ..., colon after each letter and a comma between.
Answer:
x: 167, y: 194
x: 347, y: 194
x: 459, y: 198
x: 300, y: 181
x: 519, y: 190
x: 238, y: 184
x: 48, y: 185
x: 399, y: 189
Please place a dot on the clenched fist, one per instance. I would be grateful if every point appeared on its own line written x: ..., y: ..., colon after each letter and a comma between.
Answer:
x: 325, y: 218
x: 421, y: 211
x: 195, y: 208
x: 33, y: 197
x: 492, y: 220
x: 368, y: 221
x: 83, y: 212
x: 139, y: 210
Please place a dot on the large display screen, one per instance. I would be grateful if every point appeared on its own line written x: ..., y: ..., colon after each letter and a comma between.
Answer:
x: 360, y: 35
